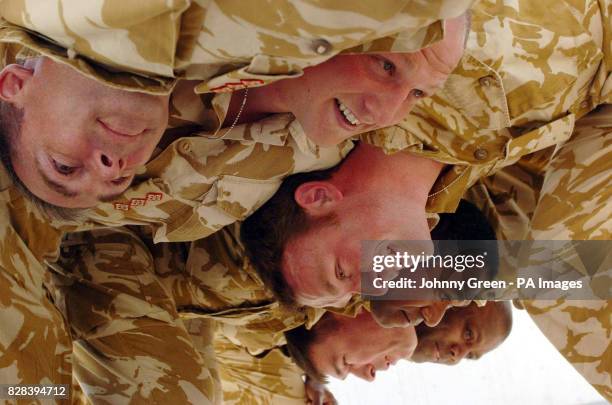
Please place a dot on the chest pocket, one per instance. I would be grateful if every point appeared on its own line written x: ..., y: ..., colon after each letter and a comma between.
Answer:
x: 230, y: 199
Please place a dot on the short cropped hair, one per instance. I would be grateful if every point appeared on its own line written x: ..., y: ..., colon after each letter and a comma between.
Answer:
x: 300, y: 340
x: 266, y: 232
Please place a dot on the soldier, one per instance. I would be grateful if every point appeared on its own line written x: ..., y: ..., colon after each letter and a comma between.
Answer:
x: 338, y: 345
x: 528, y: 106
x: 31, y: 237
x: 211, y: 278
x: 378, y: 90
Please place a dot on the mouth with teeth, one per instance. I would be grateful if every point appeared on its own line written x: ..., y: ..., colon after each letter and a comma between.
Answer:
x: 348, y: 115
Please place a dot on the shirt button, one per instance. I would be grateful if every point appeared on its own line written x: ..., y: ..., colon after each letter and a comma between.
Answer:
x: 584, y: 104
x: 321, y: 46
x: 486, y: 81
x: 481, y: 154
x: 185, y: 146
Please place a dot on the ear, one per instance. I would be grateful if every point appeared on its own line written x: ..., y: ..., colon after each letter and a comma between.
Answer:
x: 317, y: 197
x: 13, y: 79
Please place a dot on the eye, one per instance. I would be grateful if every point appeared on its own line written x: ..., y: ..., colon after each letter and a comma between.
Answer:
x: 63, y: 169
x: 416, y: 93
x: 468, y: 335
x: 387, y: 65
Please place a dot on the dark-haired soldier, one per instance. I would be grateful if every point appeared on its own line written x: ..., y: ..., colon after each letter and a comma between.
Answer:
x: 85, y: 98
x: 213, y: 278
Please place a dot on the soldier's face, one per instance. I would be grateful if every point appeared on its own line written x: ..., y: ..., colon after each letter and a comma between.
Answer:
x: 322, y: 265
x: 353, y: 94
x: 468, y: 332
x: 360, y: 347
x: 81, y: 142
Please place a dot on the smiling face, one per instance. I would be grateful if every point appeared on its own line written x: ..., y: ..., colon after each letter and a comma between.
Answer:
x: 468, y: 332
x: 352, y: 94
x: 80, y: 141
x: 358, y: 346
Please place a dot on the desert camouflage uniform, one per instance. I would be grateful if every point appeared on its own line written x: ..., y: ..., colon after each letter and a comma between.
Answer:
x: 116, y: 297
x: 521, y: 109
x: 34, y: 344
x: 146, y: 47
x: 519, y: 125
x: 157, y: 42
x: 176, y: 194
x: 269, y: 378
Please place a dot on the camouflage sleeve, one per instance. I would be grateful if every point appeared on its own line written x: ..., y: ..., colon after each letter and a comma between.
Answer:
x: 574, y: 204
x: 570, y: 200
x: 270, y: 378
x: 224, y: 43
x: 35, y: 344
x: 129, y: 344
x: 580, y: 330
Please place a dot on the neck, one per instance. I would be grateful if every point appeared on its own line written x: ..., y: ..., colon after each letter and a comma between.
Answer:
x: 401, y: 174
x: 260, y: 103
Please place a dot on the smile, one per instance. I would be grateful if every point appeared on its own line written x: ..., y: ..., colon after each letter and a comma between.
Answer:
x: 347, y: 113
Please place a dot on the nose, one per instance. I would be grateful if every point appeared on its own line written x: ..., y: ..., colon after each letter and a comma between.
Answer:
x: 457, y: 353
x: 108, y: 165
x: 389, y: 106
x: 433, y: 314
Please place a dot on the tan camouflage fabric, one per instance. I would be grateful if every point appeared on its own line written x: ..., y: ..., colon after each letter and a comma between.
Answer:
x: 145, y: 47
x: 271, y: 378
x: 569, y: 199
x: 33, y: 332
x: 226, y: 44
x: 126, y: 300
x: 581, y: 331
x: 517, y: 109
x: 129, y: 344
x: 529, y: 72
x: 212, y: 278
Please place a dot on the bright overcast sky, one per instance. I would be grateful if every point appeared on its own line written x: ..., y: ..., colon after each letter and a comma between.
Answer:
x: 525, y: 369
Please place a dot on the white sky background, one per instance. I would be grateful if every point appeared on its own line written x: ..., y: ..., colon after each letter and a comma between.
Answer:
x: 525, y: 369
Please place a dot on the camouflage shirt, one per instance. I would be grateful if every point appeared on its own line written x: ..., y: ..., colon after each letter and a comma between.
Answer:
x: 32, y: 326
x: 213, y: 278
x: 530, y: 70
x: 226, y: 44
